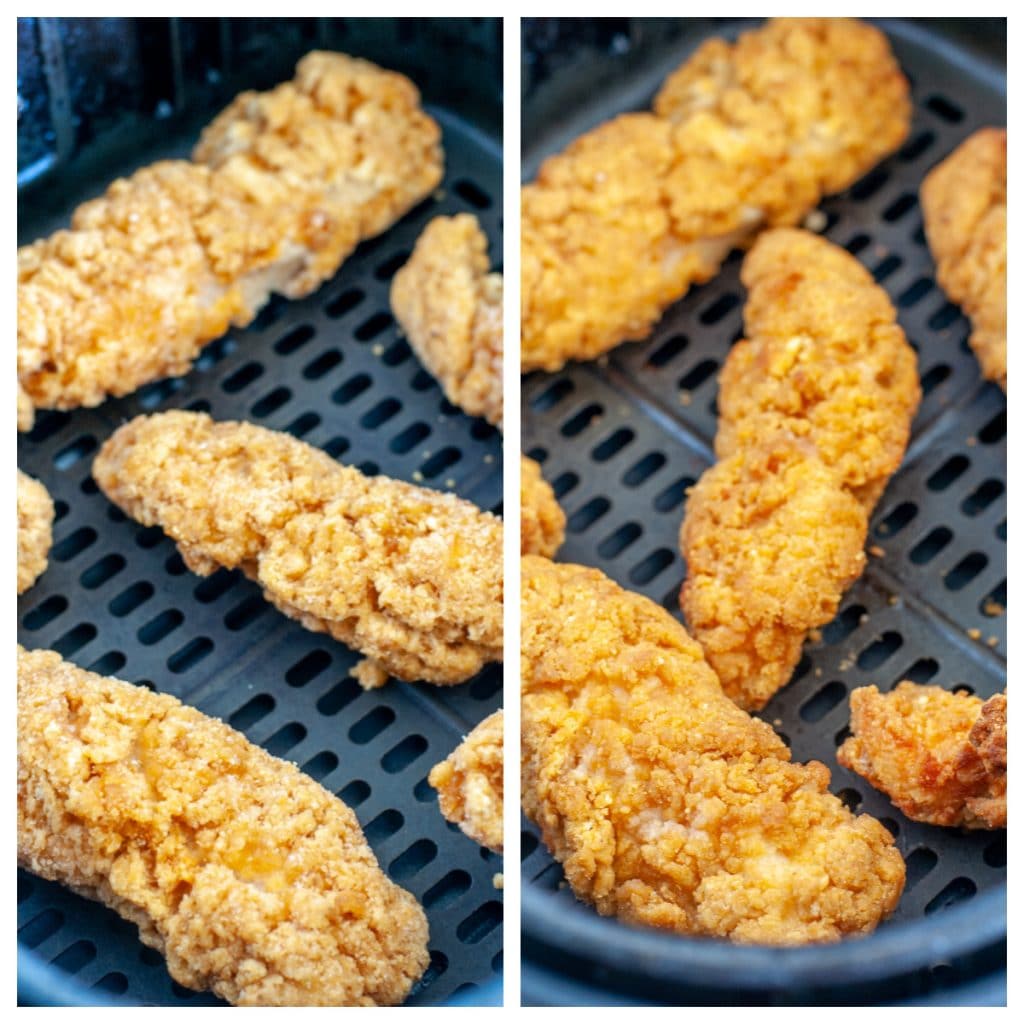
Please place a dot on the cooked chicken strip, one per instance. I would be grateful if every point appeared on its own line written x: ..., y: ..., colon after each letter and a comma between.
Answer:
x: 744, y: 135
x: 410, y: 577
x: 35, y: 530
x: 964, y: 204
x: 665, y: 803
x: 252, y: 879
x: 470, y: 783
x: 542, y: 523
x: 450, y: 309
x: 939, y: 756
x: 284, y: 185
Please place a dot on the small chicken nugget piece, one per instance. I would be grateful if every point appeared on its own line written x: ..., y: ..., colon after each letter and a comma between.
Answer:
x: 964, y: 204
x: 450, y: 309
x: 666, y: 804
x: 542, y: 522
x: 251, y: 878
x: 35, y: 530
x: 744, y: 136
x: 939, y: 756
x: 470, y: 783
x: 771, y: 541
x: 410, y: 577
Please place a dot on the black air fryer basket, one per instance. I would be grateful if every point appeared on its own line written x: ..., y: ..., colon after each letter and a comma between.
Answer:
x: 623, y: 438
x: 98, y: 98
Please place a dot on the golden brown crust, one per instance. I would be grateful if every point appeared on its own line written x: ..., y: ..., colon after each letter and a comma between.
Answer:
x: 470, y: 783
x: 542, y: 521
x: 665, y: 803
x: 743, y: 136
x: 409, y: 576
x: 964, y: 204
x: 284, y: 186
x: 247, y: 875
x: 450, y: 309
x: 35, y: 530
x: 939, y: 756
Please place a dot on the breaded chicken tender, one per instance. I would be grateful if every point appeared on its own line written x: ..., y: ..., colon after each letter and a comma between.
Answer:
x: 824, y: 360
x: 666, y: 804
x: 251, y: 879
x: 542, y: 522
x: 939, y: 756
x: 964, y: 204
x: 35, y: 530
x: 410, y: 577
x: 470, y: 783
x: 771, y: 541
x: 450, y: 308
x: 283, y: 186
x: 744, y: 136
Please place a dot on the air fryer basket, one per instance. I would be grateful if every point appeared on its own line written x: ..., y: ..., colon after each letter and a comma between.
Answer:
x: 623, y: 438
x: 116, y: 598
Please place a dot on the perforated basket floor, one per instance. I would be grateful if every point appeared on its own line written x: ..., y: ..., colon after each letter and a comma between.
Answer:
x: 117, y: 599
x: 622, y: 439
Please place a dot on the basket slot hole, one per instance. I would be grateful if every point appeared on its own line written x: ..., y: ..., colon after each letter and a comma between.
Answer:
x: 994, y: 603
x: 668, y: 350
x: 673, y: 495
x: 62, y: 508
x: 174, y: 565
x: 162, y: 626
x: 983, y: 496
x: 473, y: 194
x: 424, y: 791
x: 308, y: 667
x: 115, y: 983
x: 287, y: 737
x: 72, y: 453
x: 128, y: 600
x: 448, y: 890
x: 381, y: 413
x: 614, y: 544
x: 887, y: 268
x: 480, y: 923
x: 957, y: 891
x: 301, y: 426
x: 322, y: 365
x: 843, y: 624
x: 75, y: 639
x: 934, y: 377
x: 653, y: 565
x: 399, y: 757
x: 915, y: 293
x: 994, y: 430
x: 75, y: 957
x: 922, y: 670
x: 916, y: 146
x: 155, y: 394
x: 25, y: 888
x: 920, y: 863
x: 413, y: 435
x: 899, y: 208
x: 355, y: 793
x: 949, y: 471
x: 422, y: 381
x: 528, y: 842
x: 414, y: 860
x: 45, y: 612
x: 720, y: 308
x: 564, y: 483
x: 858, y: 244
x: 148, y: 537
x: 995, y: 853
x: 246, y: 612
x: 870, y: 184
x: 440, y: 461
x: 339, y: 696
x: 371, y: 725
x: 897, y: 519
x: 386, y: 270
x: 946, y: 314
x: 190, y: 655
x: 344, y: 303
x: 385, y: 825
x: 36, y: 931
x: 374, y: 325
x: 437, y: 966
x: 337, y: 446
x: 294, y: 340
x: 945, y: 109
x: 965, y: 570
x: 815, y: 709
x: 552, y: 395
x: 243, y: 377
x: 48, y: 422
x: 271, y: 402
x: 1000, y: 530
x: 549, y: 877
x: 892, y: 825
x: 396, y: 353
x: 150, y: 957
x: 585, y: 517
x: 700, y: 373
x: 880, y: 651
x: 851, y: 799
x: 272, y: 311
x: 74, y: 544
x: 643, y: 470
x: 216, y: 352
x: 925, y: 550
x: 611, y: 446
x: 583, y: 419
x: 320, y: 766
x: 109, y: 663
x: 351, y: 389
x: 252, y: 712
x: 214, y: 586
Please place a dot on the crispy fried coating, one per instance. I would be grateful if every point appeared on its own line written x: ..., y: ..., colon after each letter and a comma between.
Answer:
x: 771, y: 541
x: 35, y: 530
x: 410, y: 577
x: 283, y: 186
x: 666, y: 804
x: 743, y: 136
x: 251, y: 879
x: 964, y: 204
x: 939, y: 756
x: 470, y: 783
x: 824, y: 360
x: 542, y: 522
x: 450, y: 308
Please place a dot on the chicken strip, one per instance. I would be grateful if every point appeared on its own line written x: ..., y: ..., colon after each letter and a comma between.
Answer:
x: 963, y: 200
x: 542, y: 523
x: 283, y: 186
x: 470, y: 783
x: 939, y: 756
x: 35, y: 530
x: 666, y: 804
x: 744, y: 136
x: 251, y: 879
x: 824, y: 360
x: 450, y: 309
x: 771, y: 541
x: 410, y: 577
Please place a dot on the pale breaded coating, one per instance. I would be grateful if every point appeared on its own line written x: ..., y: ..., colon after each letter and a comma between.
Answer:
x: 824, y: 360
x: 542, y: 521
x: 249, y: 877
x: 470, y: 783
x: 939, y: 756
x: 666, y: 804
x: 964, y: 204
x: 35, y: 530
x: 744, y: 136
x: 450, y: 308
x: 284, y: 186
x: 410, y: 577
x: 771, y: 541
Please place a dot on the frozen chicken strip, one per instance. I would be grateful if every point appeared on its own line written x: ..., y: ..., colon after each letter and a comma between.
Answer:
x: 542, y: 523
x: 35, y: 530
